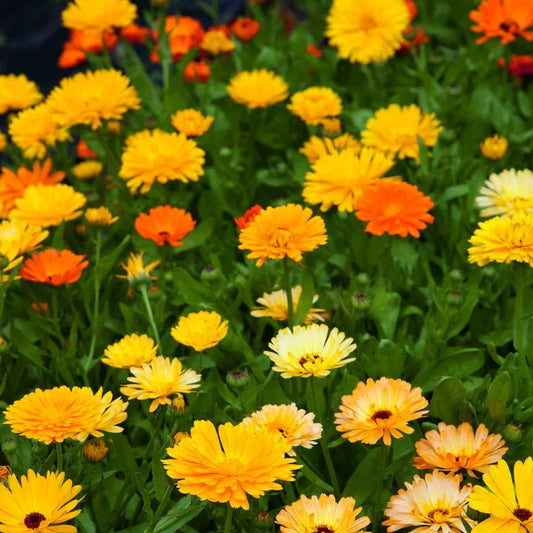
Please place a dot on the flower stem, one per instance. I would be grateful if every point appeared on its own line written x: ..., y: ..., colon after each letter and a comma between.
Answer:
x: 288, y: 290
x: 518, y: 332
x: 59, y: 456
x: 96, y: 306
x: 377, y: 511
x: 227, y: 525
x: 144, y: 294
x: 159, y: 511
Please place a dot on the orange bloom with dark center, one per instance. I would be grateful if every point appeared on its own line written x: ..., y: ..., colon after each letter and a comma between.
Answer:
x: 198, y: 71
x: 84, y: 152
x: 503, y: 19
x: 165, y: 224
x: 520, y: 66
x: 81, y: 42
x: 394, y: 207
x: 245, y: 28
x: 184, y: 33
x: 134, y: 33
x: 53, y: 267
x: 246, y: 219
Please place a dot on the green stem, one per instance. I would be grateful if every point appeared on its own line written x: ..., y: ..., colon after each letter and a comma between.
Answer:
x: 150, y: 314
x: 288, y: 290
x: 105, y: 53
x: 159, y: 510
x: 164, y: 47
x: 227, y: 525
x: 59, y: 456
x: 96, y: 306
x: 519, y: 312
x: 378, y: 511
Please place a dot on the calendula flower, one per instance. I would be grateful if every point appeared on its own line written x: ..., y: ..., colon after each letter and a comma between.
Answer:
x: 508, y: 193
x: 395, y: 130
x: 199, y: 71
x: 453, y: 449
x: 433, y: 503
x: 257, y: 88
x: 367, y: 31
x: 98, y: 16
x: 229, y: 465
x: 184, y: 33
x: 131, y: 350
x: 200, y: 330
x: 53, y: 267
x: 296, y: 426
x: 331, y: 126
x: 339, y: 178
x: 215, y: 42
x: 53, y: 415
x: 5, y: 472
x: 93, y: 96
x: 380, y: 410
x: 245, y: 28
x: 321, y: 514
x: 38, y: 503
x: 191, y: 122
x: 316, y: 147
x: 503, y: 239
x: 311, y: 350
x: 17, y: 92
x: 158, y: 380
x: 80, y: 42
x: 18, y: 237
x: 95, y: 450
x: 156, y: 155
x: 245, y: 220
x: 284, y: 231
x: 100, y: 216
x: 520, y: 66
x: 136, y: 270
x: 494, y: 147
x: 165, y: 224
x: 87, y: 170
x: 315, y: 104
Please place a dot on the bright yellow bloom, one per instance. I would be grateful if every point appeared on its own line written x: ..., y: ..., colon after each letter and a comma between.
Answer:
x: 380, y: 409
x: 95, y: 450
x: 367, y: 31
x: 494, y: 147
x: 200, y: 330
x: 98, y: 16
x: 321, y: 514
x: 158, y: 380
x: 131, y: 350
x: 156, y: 155
x: 191, y: 122
x: 229, y: 465
x: 215, y: 42
x: 257, y: 88
x: 315, y: 104
x: 17, y: 92
x: 332, y: 126
x: 100, y: 216
x: 136, y: 270
x: 395, y: 130
x: 53, y: 415
x: 317, y: 146
x: 308, y: 351
x: 86, y: 170
x: 90, y: 97
x: 38, y: 503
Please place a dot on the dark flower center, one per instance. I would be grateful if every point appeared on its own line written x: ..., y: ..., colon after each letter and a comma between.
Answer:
x: 323, y: 529
x: 382, y: 414
x: 522, y: 514
x: 33, y: 520
x: 509, y: 25
x: 308, y: 358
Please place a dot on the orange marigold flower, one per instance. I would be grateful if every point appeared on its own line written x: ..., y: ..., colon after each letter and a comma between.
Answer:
x: 394, y: 207
x: 134, y: 33
x: 314, y: 50
x: 184, y: 33
x: 165, y: 224
x: 53, y: 267
x: 411, y: 6
x: 521, y: 66
x: 245, y: 220
x: 245, y: 28
x: 284, y: 231
x: 198, y: 71
x: 84, y: 152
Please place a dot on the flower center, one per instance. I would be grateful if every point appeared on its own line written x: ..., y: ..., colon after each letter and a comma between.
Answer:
x: 509, y: 26
x: 33, y: 520
x: 522, y: 514
x: 323, y: 529
x: 382, y: 414
x: 280, y: 238
x: 368, y: 22
x: 308, y: 360
x: 438, y: 515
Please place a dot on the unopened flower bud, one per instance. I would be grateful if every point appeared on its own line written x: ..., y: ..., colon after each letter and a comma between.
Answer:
x: 224, y: 151
x: 263, y: 520
x: 512, y: 433
x: 454, y: 298
x: 179, y: 403
x: 209, y: 274
x: 363, y: 279
x: 9, y: 447
x: 238, y: 378
x: 361, y: 302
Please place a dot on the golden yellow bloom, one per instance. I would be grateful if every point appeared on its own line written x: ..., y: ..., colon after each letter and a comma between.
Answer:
x: 317, y: 146
x: 191, y: 122
x: 86, y: 170
x: 503, y: 239
x: 257, y: 88
x: 433, y: 503
x: 48, y: 205
x: 18, y: 237
x: 494, y: 147
x: 367, y: 30
x: 131, y: 350
x: 215, y: 42
x: 331, y: 126
x: 38, y: 503
x: 156, y: 155
x: 90, y: 97
x: 3, y: 141
x: 309, y: 351
x: 179, y: 404
x: 17, y: 92
x: 507, y: 193
x: 95, y: 450
x: 158, y: 380
x: 53, y: 415
x: 338, y: 179
x: 5, y: 472
x: 228, y: 465
x: 179, y: 436
x: 114, y: 126
x: 315, y: 104
x: 321, y: 515
x: 136, y: 270
x: 395, y: 130
x: 380, y: 409
x: 100, y: 216
x: 456, y: 448
x: 510, y: 505
x: 200, y: 330
x: 98, y: 16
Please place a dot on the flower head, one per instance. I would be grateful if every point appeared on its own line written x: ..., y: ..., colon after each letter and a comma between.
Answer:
x: 18, y: 237
x: 165, y: 224
x: 87, y: 170
x: 53, y: 267
x: 17, y: 92
x: 245, y: 220
x: 316, y: 147
x: 191, y: 122
x: 100, y: 216
x: 315, y: 104
x: 136, y: 270
x: 99, y: 15
x: 95, y: 450
x: 184, y: 33
x: 521, y: 66
x: 131, y: 350
x: 245, y: 28
x: 200, y: 330
x: 257, y: 88
x: 199, y: 71
x: 494, y: 147
x: 215, y: 42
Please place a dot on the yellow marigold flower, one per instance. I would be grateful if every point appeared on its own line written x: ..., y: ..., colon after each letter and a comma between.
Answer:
x: 509, y: 505
x: 156, y: 155
x: 321, y: 514
x: 395, y: 130
x: 275, y: 306
x: 136, y: 269
x: 494, y: 147
x: 95, y: 450
x: 338, y: 179
x: 18, y: 237
x: 191, y: 122
x: 315, y: 104
x: 503, y: 239
x: 17, y: 92
x: 284, y: 231
x: 48, y: 205
x: 215, y: 42
x: 179, y: 404
x: 380, y: 409
x: 317, y: 146
x: 131, y: 350
x: 257, y: 88
x: 158, y: 380
x: 433, y: 503
x: 507, y: 193
x: 53, y: 415
x: 32, y: 130
x: 296, y: 426
x: 331, y: 126
x: 38, y: 503
x: 3, y: 141
x: 309, y: 351
x: 90, y: 97
x: 200, y: 330
x: 86, y: 170
x: 100, y: 216
x: 98, y: 16
x: 228, y: 465
x: 456, y: 448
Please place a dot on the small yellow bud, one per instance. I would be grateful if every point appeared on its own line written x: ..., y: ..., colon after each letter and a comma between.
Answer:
x: 95, y: 450
x: 179, y: 403
x: 100, y: 216
x: 494, y: 147
x: 87, y: 170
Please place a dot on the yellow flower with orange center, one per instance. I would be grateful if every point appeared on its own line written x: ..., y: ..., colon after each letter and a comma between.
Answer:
x: 98, y: 16
x: 315, y: 104
x: 191, y: 123
x: 257, y: 88
x: 200, y: 330
x: 494, y: 147
x: 216, y: 42
x: 17, y: 92
x: 131, y: 350
x: 317, y: 146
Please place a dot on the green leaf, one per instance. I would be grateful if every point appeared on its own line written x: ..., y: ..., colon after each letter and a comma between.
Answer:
x: 363, y: 482
x: 498, y: 395
x: 110, y: 260
x: 306, y: 299
x: 192, y: 291
x: 180, y: 514
x: 449, y: 401
x: 159, y: 478
x: 385, y: 310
